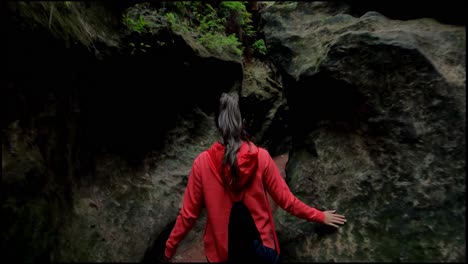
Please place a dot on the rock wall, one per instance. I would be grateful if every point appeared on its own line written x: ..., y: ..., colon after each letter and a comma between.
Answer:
x: 383, y: 140
x: 97, y: 142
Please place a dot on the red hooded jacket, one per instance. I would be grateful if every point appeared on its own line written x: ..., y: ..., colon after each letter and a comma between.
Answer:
x: 206, y: 187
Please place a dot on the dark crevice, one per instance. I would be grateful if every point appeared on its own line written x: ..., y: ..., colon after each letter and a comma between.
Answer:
x: 326, y: 100
x: 155, y: 252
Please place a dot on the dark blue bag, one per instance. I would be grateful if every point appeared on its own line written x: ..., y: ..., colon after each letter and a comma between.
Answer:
x: 244, y: 242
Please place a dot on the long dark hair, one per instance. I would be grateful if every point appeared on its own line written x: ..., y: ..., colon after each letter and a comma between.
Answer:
x: 231, y: 126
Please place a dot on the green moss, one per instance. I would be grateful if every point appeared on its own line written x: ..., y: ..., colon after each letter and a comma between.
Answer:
x: 219, y: 43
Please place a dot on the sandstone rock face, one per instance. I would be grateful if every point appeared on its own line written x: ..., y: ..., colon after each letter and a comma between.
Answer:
x: 377, y: 111
x: 117, y: 214
x: 264, y: 107
x: 92, y: 25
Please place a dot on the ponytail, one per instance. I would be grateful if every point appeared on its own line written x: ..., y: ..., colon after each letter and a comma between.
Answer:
x: 230, y: 125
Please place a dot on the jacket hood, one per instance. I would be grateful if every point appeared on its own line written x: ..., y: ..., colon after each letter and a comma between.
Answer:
x: 247, y: 160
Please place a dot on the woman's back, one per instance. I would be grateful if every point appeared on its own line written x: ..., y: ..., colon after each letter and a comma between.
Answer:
x: 208, y: 182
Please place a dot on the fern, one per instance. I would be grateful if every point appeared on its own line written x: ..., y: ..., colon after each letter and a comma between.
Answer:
x: 223, y: 26
x: 138, y: 26
x: 259, y: 46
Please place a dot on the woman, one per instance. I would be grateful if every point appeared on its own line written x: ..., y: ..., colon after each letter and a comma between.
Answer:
x: 236, y: 170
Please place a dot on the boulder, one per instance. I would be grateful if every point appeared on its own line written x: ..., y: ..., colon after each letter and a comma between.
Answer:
x: 377, y: 117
